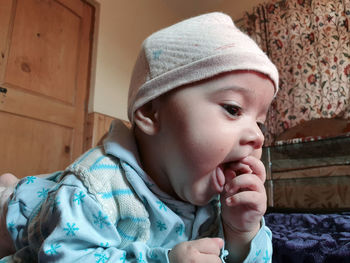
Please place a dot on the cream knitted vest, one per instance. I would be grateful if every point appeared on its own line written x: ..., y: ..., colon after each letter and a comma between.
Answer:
x: 104, y: 177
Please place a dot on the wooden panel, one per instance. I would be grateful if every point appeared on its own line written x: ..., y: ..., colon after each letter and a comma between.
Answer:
x: 47, y: 81
x: 312, y: 193
x: 309, y: 175
x: 5, y: 19
x: 77, y: 6
x: 325, y: 171
x: 26, y: 104
x: 83, y: 77
x: 26, y: 140
x: 41, y: 59
x: 97, y: 128
x: 325, y: 152
x: 269, y: 192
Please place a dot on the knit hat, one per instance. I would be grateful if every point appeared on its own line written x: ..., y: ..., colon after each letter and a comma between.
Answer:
x: 192, y: 50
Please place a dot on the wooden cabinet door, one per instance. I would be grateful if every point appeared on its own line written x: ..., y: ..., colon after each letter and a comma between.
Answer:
x: 44, y: 79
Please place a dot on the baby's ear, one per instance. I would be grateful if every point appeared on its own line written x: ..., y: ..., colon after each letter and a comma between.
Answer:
x: 146, y: 117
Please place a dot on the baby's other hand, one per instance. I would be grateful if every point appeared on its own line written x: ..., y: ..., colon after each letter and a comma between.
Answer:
x: 244, y: 197
x: 204, y: 250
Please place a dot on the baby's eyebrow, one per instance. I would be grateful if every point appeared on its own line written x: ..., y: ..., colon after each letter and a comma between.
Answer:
x: 234, y: 89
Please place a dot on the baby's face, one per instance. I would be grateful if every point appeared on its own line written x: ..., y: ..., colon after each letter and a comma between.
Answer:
x: 208, y: 125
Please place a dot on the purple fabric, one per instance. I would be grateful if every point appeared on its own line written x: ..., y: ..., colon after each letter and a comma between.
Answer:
x: 310, y: 238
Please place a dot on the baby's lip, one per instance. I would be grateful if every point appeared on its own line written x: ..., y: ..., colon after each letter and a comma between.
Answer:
x: 219, y: 179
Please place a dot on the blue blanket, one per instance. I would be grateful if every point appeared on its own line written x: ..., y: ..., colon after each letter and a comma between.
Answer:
x: 310, y: 238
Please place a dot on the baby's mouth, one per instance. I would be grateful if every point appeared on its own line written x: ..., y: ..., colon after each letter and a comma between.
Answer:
x: 225, y: 172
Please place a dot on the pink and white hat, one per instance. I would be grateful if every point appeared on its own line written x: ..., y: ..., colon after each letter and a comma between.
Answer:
x: 192, y: 50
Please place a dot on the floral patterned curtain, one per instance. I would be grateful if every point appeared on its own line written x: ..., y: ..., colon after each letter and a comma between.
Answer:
x: 309, y: 41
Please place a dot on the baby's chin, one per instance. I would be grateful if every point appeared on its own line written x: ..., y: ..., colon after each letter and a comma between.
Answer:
x: 197, y: 198
x: 205, y: 191
x: 205, y: 198
x: 204, y: 202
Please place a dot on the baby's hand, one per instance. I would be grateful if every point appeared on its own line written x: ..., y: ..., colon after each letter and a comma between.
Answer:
x: 204, y: 250
x: 244, y: 197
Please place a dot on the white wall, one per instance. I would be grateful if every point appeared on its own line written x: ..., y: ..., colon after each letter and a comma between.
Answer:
x: 121, y: 27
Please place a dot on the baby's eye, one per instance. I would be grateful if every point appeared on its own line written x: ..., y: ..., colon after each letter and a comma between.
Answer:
x: 233, y: 110
x: 262, y: 127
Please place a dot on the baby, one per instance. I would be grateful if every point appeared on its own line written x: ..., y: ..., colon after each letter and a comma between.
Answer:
x: 184, y: 183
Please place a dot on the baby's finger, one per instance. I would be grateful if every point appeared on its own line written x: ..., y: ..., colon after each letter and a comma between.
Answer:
x: 256, y: 166
x: 238, y: 168
x: 208, y: 245
x: 244, y: 182
x: 204, y: 258
x: 256, y: 201
x: 205, y: 250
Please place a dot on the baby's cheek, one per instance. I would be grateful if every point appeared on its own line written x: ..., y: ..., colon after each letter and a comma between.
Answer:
x: 257, y: 153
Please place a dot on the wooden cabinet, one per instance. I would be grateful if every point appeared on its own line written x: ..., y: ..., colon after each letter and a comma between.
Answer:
x: 309, y: 175
x: 44, y: 70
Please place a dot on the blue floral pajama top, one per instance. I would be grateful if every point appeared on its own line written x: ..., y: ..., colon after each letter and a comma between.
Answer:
x: 82, y: 215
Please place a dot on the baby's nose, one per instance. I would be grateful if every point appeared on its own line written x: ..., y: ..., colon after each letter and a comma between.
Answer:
x: 253, y: 136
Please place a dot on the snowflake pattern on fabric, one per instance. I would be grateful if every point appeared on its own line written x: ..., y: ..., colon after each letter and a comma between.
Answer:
x: 101, y: 257
x: 30, y: 179
x: 257, y: 253
x: 71, y: 229
x: 180, y: 229
x: 53, y: 249
x: 43, y: 193
x: 161, y: 226
x: 266, y: 258
x: 123, y: 258
x: 79, y: 198
x: 106, y: 245
x: 101, y: 220
x: 140, y: 258
x: 162, y: 206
